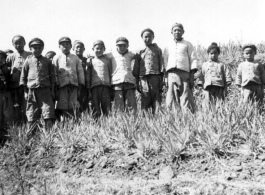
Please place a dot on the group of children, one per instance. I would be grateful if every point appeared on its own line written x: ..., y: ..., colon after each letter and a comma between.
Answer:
x: 33, y: 86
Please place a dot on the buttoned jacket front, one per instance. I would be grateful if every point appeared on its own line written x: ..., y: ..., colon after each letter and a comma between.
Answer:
x: 99, y: 71
x: 15, y: 61
x: 181, y: 55
x: 250, y: 72
x: 122, y: 66
x: 69, y: 70
x: 37, y: 72
x: 214, y: 73
x: 150, y: 61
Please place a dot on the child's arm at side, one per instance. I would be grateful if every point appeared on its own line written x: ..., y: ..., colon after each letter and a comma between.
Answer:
x: 24, y: 78
x: 239, y: 75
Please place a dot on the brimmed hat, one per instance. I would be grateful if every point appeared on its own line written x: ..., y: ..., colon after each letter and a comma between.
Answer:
x: 147, y: 30
x: 122, y: 40
x: 250, y: 46
x: 65, y: 39
x: 36, y: 41
x: 20, y: 36
x: 98, y: 42
x: 50, y: 52
x: 214, y: 46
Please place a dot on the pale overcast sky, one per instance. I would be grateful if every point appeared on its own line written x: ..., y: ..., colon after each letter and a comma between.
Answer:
x: 204, y: 21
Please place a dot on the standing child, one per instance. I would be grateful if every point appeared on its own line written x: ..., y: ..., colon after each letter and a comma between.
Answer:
x: 38, y: 79
x: 149, y: 72
x: 70, y: 76
x: 17, y: 104
x: 123, y: 81
x: 50, y: 55
x: 99, y: 80
x: 181, y: 67
x: 79, y: 49
x: 4, y: 75
x: 215, y: 77
x: 251, y: 76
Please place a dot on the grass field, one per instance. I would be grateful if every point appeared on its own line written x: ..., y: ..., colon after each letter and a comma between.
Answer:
x: 215, y: 151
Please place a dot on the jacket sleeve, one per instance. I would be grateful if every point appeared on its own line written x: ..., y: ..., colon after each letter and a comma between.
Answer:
x: 51, y: 73
x: 239, y: 75
x: 110, y: 70
x: 24, y: 73
x: 136, y: 67
x: 161, y: 62
x: 89, y: 72
x: 262, y: 73
x: 80, y: 72
x: 56, y: 69
x: 227, y: 75
x: 192, y: 57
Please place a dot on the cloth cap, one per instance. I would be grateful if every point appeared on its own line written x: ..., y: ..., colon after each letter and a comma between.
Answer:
x: 178, y: 25
x: 36, y: 41
x: 50, y: 52
x: 20, y: 36
x: 98, y: 42
x: 122, y: 40
x: 250, y: 46
x: 147, y: 30
x: 3, y: 53
x: 214, y: 46
x: 65, y: 39
x: 78, y: 42
x: 9, y: 51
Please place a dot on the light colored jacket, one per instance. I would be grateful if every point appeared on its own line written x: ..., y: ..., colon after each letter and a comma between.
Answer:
x: 214, y: 73
x: 69, y: 70
x: 250, y: 72
x: 122, y: 66
x: 98, y: 71
x: 181, y: 55
x: 150, y: 61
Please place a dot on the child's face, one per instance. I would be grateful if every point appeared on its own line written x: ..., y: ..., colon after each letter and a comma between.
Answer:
x: 79, y: 49
x: 99, y: 50
x: 65, y: 47
x: 213, y: 55
x: 19, y: 44
x: 36, y: 50
x: 2, y: 59
x: 122, y: 48
x: 177, y: 32
x: 148, y: 38
x: 249, y: 54
x: 50, y: 56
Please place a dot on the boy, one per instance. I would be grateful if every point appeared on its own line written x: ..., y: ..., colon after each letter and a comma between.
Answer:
x: 79, y: 49
x: 181, y: 66
x: 38, y: 79
x: 4, y: 74
x: 214, y: 77
x: 70, y: 75
x: 17, y: 104
x: 50, y: 55
x: 250, y: 76
x: 99, y: 80
x: 149, y: 72
x: 123, y: 81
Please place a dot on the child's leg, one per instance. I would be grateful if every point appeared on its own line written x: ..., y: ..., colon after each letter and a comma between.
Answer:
x: 119, y: 100
x: 33, y: 110
x: 73, y: 106
x: 173, y: 92
x: 130, y: 98
x: 105, y: 100
x: 95, y: 101
x: 145, y: 94
x: 154, y: 84
x: 62, y: 103
x: 248, y: 93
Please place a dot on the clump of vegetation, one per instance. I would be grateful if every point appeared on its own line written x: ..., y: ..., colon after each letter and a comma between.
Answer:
x: 125, y: 144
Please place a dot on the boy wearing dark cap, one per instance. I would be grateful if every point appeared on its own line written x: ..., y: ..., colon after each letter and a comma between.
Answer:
x: 50, y: 55
x: 180, y: 69
x: 123, y: 81
x: 79, y: 49
x: 17, y: 103
x: 99, y: 80
x: 4, y: 96
x: 214, y: 77
x: 38, y: 79
x: 251, y: 76
x: 70, y: 76
x: 149, y: 71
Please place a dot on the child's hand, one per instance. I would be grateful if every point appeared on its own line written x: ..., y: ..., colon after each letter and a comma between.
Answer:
x: 166, y: 83
x: 26, y: 95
